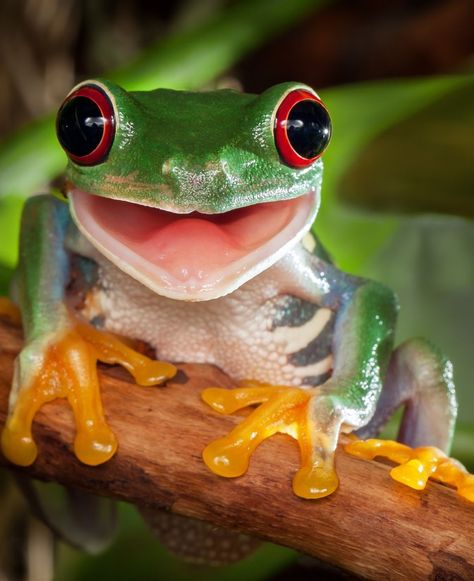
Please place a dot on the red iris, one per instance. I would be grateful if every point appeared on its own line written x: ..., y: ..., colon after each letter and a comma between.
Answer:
x: 85, y: 125
x: 302, y: 128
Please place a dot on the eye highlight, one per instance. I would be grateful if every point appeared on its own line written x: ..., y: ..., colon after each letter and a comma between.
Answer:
x: 85, y: 125
x: 302, y: 128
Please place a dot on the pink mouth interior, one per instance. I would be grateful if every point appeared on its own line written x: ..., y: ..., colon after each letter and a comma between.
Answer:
x: 187, y: 247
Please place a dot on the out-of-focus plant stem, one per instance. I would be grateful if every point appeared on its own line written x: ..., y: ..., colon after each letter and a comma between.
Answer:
x: 30, y: 158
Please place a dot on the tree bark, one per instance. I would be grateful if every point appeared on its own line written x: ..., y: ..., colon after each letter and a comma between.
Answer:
x: 371, y: 526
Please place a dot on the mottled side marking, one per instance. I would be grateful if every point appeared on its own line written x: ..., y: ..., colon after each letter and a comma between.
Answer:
x: 292, y: 312
x: 318, y: 345
x: 315, y: 369
x: 318, y: 368
x: 314, y: 380
x: 298, y: 338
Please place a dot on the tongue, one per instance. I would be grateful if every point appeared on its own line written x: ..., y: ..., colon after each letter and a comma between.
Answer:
x: 191, y: 248
x: 186, y: 246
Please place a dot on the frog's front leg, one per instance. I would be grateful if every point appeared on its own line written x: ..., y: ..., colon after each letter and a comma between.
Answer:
x: 312, y: 416
x: 362, y: 343
x: 60, y: 354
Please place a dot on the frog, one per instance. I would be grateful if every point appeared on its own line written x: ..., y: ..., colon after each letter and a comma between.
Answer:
x: 185, y: 221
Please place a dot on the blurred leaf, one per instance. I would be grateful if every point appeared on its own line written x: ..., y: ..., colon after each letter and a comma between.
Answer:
x: 463, y: 447
x: 428, y: 262
x: 10, y: 212
x: 360, y: 114
x: 422, y: 164
x: 199, y: 55
x: 5, y: 277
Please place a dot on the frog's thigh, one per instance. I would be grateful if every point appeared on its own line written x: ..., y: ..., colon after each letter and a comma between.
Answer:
x: 420, y: 378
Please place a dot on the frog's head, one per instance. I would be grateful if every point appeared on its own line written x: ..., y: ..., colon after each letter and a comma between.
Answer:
x: 193, y: 193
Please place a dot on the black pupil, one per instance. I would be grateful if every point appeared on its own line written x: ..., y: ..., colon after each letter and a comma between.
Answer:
x: 309, y: 128
x: 80, y: 126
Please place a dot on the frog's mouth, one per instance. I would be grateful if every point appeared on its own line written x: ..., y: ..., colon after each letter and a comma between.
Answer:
x: 192, y: 256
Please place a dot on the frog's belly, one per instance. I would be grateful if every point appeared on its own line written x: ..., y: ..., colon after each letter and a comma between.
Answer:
x: 280, y: 340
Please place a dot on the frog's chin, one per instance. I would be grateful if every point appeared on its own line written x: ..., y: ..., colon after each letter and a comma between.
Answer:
x: 193, y: 257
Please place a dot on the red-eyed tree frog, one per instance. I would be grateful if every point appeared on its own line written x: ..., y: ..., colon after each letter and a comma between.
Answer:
x: 186, y: 223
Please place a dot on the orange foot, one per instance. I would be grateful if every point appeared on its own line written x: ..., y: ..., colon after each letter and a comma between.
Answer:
x: 282, y: 409
x: 66, y: 367
x: 417, y: 465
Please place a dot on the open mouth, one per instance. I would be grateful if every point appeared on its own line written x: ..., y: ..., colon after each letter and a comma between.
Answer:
x: 192, y: 256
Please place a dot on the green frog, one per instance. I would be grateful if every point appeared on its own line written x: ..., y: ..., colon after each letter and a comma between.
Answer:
x: 185, y: 222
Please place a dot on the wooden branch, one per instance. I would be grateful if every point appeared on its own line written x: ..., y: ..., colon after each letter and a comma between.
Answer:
x: 371, y: 526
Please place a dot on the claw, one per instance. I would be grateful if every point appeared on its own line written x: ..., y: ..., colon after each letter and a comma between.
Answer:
x: 68, y: 370
x: 281, y: 410
x: 417, y: 465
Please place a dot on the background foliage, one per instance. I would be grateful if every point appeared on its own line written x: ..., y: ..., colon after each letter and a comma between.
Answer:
x: 398, y: 196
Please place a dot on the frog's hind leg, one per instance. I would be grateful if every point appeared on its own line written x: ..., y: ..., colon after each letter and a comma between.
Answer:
x: 419, y: 378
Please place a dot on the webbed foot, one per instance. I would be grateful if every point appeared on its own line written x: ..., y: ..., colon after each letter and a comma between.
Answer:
x: 63, y: 365
x: 282, y: 409
x: 417, y: 465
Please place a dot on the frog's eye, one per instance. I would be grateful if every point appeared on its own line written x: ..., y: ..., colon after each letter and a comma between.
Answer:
x: 302, y: 128
x: 85, y: 125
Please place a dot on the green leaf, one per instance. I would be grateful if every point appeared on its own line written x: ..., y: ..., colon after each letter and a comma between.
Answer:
x: 428, y: 262
x: 361, y: 113
x: 10, y: 212
x: 421, y: 164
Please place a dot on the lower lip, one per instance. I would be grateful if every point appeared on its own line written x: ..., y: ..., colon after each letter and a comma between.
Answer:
x: 188, y: 246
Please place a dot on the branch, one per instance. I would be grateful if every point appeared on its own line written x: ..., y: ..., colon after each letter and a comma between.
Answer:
x: 371, y: 526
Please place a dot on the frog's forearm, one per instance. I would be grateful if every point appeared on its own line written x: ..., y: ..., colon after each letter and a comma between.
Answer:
x: 363, y: 341
x: 365, y: 320
x: 43, y: 269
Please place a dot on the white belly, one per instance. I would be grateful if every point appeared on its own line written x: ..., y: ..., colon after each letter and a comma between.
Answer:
x: 236, y: 332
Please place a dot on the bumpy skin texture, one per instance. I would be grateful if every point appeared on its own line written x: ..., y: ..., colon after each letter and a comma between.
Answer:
x: 323, y: 337
x: 259, y: 331
x: 217, y: 153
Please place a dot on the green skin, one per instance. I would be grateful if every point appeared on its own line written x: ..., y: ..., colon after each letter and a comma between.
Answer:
x: 219, y: 154
x: 224, y: 139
